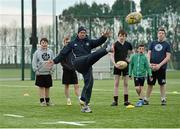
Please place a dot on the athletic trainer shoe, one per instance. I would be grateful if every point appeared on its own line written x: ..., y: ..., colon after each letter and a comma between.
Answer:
x: 139, y: 103
x: 163, y: 102
x: 50, y: 104
x: 86, y: 109
x: 127, y: 103
x: 82, y: 103
x: 114, y: 104
x: 43, y: 104
x: 69, y: 102
x: 109, y: 47
x: 146, y: 102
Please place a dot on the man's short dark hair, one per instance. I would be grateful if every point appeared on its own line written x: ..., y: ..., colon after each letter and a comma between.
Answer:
x: 161, y: 29
x: 122, y: 32
x: 141, y: 45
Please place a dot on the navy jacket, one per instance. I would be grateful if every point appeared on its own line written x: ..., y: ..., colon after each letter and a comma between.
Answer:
x: 79, y: 47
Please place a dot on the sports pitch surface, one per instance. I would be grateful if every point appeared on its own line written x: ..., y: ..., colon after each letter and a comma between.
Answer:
x: 19, y: 107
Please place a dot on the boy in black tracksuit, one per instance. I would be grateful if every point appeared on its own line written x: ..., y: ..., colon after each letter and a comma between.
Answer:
x: 84, y: 59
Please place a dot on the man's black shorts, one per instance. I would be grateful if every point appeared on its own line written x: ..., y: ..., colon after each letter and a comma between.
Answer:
x: 160, y: 75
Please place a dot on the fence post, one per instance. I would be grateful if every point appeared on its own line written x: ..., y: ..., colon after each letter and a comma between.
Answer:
x: 22, y: 50
x: 33, y: 38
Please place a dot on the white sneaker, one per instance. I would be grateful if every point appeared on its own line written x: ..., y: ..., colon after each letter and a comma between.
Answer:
x: 43, y: 104
x: 50, y: 104
x: 109, y: 47
x: 69, y: 102
x: 86, y: 109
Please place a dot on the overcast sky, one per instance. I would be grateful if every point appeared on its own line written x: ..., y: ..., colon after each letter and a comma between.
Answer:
x: 44, y: 7
x: 10, y: 10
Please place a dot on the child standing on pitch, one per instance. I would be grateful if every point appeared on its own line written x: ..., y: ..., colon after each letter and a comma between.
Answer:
x: 122, y: 50
x: 138, y: 67
x: 42, y: 71
x: 69, y: 75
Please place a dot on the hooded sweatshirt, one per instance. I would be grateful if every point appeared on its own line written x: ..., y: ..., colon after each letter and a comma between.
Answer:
x: 40, y: 58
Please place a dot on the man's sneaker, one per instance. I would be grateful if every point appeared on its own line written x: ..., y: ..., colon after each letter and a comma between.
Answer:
x: 43, y: 104
x: 146, y: 102
x: 114, y: 104
x: 126, y: 103
x: 139, y: 103
x: 50, y: 104
x: 163, y: 102
x: 86, y: 109
x: 69, y: 102
x: 82, y: 103
x: 108, y: 46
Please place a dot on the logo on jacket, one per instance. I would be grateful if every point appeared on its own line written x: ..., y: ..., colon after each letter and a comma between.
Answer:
x: 45, y: 56
x: 87, y: 44
x: 158, y: 47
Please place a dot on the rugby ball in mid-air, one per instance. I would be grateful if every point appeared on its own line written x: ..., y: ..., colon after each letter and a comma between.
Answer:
x: 133, y: 18
x: 122, y: 64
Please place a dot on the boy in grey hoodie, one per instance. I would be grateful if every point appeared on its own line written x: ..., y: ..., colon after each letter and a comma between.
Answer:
x: 42, y: 71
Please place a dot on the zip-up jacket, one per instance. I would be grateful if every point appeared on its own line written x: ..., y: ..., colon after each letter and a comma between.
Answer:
x: 139, y: 66
x: 79, y: 47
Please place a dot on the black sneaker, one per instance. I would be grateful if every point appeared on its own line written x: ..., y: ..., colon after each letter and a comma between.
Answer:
x: 163, y: 102
x: 146, y: 102
x: 127, y: 103
x: 114, y: 104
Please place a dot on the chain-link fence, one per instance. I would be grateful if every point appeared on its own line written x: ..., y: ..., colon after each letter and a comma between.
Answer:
x: 144, y: 32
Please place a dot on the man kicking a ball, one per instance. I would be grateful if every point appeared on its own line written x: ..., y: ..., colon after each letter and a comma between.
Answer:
x: 83, y: 60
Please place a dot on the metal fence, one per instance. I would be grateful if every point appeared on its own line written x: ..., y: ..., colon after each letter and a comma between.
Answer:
x: 144, y: 32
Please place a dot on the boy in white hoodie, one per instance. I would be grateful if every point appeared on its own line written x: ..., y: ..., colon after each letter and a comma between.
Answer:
x: 43, y: 73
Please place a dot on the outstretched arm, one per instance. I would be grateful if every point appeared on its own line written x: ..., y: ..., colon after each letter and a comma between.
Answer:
x: 101, y: 40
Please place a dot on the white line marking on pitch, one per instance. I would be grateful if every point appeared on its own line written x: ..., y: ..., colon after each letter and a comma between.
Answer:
x: 13, y: 115
x: 80, y: 123
x: 15, y: 86
x: 155, y: 92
